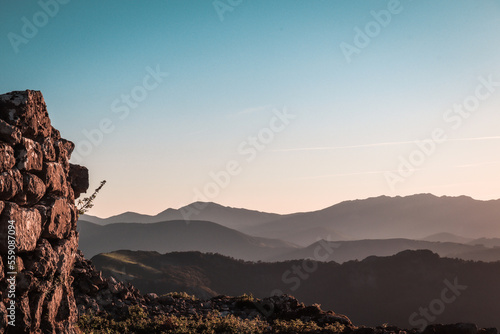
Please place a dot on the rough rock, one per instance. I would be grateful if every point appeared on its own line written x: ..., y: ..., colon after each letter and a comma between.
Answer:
x: 33, y: 190
x: 55, y: 177
x: 29, y: 155
x: 7, y: 160
x: 79, y: 179
x: 59, y: 218
x: 11, y: 184
x: 63, y: 148
x: 37, y: 195
x: 27, y: 111
x: 27, y: 223
x: 8, y: 133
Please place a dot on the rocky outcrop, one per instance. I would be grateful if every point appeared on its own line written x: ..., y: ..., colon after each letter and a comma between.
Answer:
x: 38, y: 187
x: 98, y: 295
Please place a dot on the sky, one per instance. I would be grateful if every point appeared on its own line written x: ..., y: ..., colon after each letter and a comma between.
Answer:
x: 278, y: 106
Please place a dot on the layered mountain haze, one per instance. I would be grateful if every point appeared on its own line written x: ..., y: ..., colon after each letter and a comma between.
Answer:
x: 343, y: 251
x: 203, y: 236
x: 226, y: 216
x: 415, y: 217
x: 412, y: 217
x: 447, y: 237
x: 488, y: 242
x: 178, y: 235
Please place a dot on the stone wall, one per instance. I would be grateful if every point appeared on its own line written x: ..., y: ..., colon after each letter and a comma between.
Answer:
x: 38, y: 187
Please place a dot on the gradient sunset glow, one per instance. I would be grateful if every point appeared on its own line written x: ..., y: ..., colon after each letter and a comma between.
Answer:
x: 261, y: 104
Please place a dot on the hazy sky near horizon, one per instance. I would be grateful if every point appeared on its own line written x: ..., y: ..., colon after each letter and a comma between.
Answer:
x: 290, y: 105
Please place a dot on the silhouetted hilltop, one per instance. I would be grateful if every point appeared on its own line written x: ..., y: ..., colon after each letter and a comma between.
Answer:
x: 342, y: 251
x: 412, y: 217
x: 202, y: 211
x: 447, y: 237
x: 177, y: 236
x: 210, y: 237
x: 388, y: 289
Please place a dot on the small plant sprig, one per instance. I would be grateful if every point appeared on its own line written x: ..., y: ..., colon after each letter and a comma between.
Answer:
x: 87, y: 203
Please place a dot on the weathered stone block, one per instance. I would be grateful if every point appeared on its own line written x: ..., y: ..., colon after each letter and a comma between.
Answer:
x: 59, y: 215
x: 64, y: 148
x: 27, y: 111
x: 28, y: 227
x: 79, y: 179
x: 48, y: 149
x: 11, y: 184
x: 33, y: 190
x: 55, y: 178
x: 29, y: 155
x: 66, y: 250
x: 9, y: 133
x: 42, y: 262
x: 7, y: 159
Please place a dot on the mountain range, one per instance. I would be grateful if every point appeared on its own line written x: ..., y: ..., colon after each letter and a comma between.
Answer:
x: 179, y: 235
x: 258, y: 236
x: 226, y: 216
x: 381, y: 259
x: 411, y: 217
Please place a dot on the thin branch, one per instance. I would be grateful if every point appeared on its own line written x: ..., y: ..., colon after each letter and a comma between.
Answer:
x: 88, y: 202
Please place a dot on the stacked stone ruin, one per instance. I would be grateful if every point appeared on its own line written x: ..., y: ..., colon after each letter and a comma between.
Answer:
x: 38, y: 187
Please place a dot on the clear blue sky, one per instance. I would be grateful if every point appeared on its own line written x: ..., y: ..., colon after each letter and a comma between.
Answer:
x: 231, y: 63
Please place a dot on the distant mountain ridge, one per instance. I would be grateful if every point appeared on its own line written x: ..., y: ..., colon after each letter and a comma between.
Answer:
x: 177, y: 235
x: 343, y: 251
x: 447, y: 237
x: 206, y: 211
x: 412, y: 217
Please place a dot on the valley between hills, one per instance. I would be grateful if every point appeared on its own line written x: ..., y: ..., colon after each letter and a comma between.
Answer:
x: 383, y: 259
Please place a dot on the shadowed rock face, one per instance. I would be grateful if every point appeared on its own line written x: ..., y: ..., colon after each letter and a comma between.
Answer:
x: 38, y: 187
